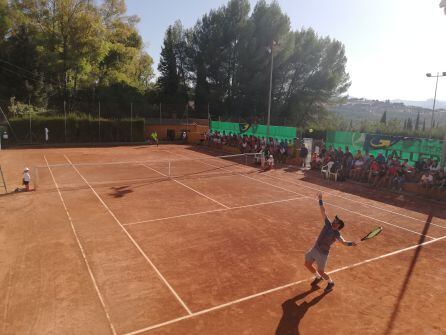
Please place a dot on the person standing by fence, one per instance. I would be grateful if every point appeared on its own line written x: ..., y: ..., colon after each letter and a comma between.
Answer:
x: 303, y: 156
x: 46, y: 131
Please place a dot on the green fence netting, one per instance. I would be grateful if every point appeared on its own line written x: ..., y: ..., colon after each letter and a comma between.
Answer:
x: 259, y: 130
x: 406, y: 147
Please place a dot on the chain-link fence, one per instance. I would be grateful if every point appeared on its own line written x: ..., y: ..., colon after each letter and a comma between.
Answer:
x: 94, y: 120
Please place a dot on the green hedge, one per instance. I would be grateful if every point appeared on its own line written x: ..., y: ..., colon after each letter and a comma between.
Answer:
x: 79, y: 130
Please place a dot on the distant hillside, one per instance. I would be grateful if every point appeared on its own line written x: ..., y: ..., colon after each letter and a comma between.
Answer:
x: 439, y: 104
x: 372, y: 110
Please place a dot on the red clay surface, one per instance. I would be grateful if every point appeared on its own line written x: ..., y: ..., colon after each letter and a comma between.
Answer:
x: 218, y: 249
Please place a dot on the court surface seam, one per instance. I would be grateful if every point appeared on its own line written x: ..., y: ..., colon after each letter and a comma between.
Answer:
x: 234, y: 302
x: 133, y: 240
x: 84, y: 256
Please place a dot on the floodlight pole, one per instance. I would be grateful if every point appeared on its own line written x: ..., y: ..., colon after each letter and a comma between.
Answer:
x: 270, y: 88
x: 438, y: 75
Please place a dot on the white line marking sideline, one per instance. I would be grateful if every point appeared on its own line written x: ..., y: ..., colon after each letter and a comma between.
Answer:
x: 132, y: 239
x: 353, y: 200
x: 101, y: 299
x: 303, y: 195
x: 204, y: 311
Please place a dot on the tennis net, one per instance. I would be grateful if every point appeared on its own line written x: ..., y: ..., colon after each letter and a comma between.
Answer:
x: 140, y: 173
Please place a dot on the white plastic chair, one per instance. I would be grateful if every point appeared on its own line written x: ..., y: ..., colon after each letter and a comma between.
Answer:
x: 334, y: 174
x: 325, y: 170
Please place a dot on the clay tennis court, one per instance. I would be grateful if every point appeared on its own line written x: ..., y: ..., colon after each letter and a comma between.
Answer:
x: 173, y: 241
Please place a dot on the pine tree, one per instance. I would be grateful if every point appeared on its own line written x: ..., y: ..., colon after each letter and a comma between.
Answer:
x: 168, y: 79
x: 384, y: 118
x: 417, y: 122
x: 351, y: 125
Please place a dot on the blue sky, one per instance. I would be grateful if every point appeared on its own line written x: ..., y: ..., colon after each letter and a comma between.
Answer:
x: 390, y: 44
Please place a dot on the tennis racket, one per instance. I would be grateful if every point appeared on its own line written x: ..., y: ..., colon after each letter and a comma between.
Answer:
x: 373, y: 233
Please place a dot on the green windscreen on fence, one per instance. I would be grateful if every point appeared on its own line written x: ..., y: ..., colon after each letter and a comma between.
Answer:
x: 406, y: 147
x: 259, y: 130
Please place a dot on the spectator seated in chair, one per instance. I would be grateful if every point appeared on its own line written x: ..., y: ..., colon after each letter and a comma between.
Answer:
x: 426, y: 181
x: 269, y: 163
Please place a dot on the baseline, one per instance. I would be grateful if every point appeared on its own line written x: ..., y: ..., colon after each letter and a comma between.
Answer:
x: 234, y: 302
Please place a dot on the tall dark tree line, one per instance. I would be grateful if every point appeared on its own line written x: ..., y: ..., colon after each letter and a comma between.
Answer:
x: 227, y: 61
x: 54, y: 50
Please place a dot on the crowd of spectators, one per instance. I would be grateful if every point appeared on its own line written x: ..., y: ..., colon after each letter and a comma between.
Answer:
x: 380, y: 171
x: 390, y: 172
x: 278, y: 150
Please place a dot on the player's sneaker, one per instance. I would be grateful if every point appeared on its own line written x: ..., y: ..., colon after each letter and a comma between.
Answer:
x: 316, y: 281
x: 329, y: 287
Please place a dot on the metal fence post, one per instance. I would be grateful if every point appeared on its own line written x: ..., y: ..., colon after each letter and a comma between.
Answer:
x: 99, y: 110
x: 443, y: 156
x: 131, y: 122
x: 30, y: 127
x: 65, y: 119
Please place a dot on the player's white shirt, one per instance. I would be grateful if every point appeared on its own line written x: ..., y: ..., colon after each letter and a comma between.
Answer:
x: 26, y: 176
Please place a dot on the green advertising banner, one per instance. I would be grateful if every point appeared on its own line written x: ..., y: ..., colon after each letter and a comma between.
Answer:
x: 259, y: 130
x: 410, y: 148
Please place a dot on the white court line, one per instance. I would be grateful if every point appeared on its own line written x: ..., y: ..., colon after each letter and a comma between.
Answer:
x: 352, y: 200
x: 213, y: 211
x: 190, y: 188
x: 303, y: 195
x: 132, y: 240
x: 234, y: 302
x: 357, y: 213
x: 101, y: 299
x: 347, y: 210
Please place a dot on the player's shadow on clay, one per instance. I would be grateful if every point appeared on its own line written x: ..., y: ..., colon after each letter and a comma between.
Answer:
x: 293, y: 312
x: 119, y: 192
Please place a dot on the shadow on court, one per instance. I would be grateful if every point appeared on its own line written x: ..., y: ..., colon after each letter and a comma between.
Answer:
x: 409, y: 273
x: 293, y: 312
x: 119, y: 192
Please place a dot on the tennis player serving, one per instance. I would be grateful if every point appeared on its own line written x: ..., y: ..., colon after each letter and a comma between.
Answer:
x: 319, y: 253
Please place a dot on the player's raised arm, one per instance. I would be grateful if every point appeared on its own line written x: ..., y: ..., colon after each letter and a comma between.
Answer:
x: 321, y: 206
x: 347, y: 243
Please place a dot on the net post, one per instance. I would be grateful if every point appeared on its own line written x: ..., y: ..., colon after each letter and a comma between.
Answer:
x: 3, y: 179
x: 35, y: 178
x: 169, y: 174
x: 246, y: 159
